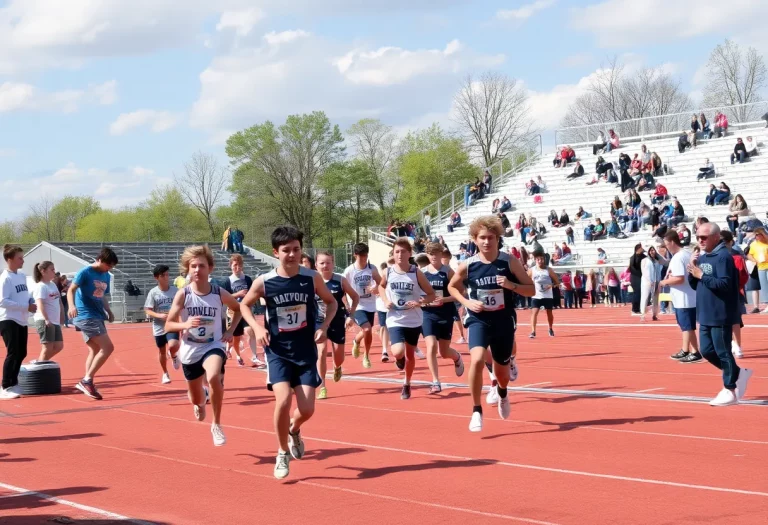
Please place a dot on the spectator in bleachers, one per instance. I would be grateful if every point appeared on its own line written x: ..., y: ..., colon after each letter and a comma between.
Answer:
x: 751, y: 146
x: 624, y: 161
x: 504, y: 222
x: 721, y: 124
x: 722, y: 194
x: 455, y: 220
x: 678, y: 215
x: 707, y: 171
x: 709, y: 200
x: 506, y: 204
x: 613, y: 230
x: 557, y: 254
x: 644, y: 216
x: 636, y: 167
x: 739, y: 152
x: 569, y: 235
x: 564, y: 220
x: 658, y: 165
x: 578, y: 171
x: 629, y: 222
x: 626, y: 181
x: 602, y: 257
x: 660, y: 232
x: 553, y: 219
x: 531, y: 188
x: 613, y: 141
x: 487, y: 181
x: 567, y: 255
x: 705, y: 131
x: 684, y: 233
x: 541, y: 184
x: 699, y: 221
x: 738, y: 208
x: 581, y: 214
x: 765, y: 118
x: 682, y: 142
x: 602, y: 167
x: 600, y: 144
x: 695, y: 126
x: 495, y: 205
x: 599, y: 231
x: 131, y: 290
x: 616, y: 205
x: 633, y: 199
x: 567, y: 154
x: 660, y: 194
x: 645, y: 158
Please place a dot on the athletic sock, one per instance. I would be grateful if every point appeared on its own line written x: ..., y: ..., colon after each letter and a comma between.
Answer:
x: 502, y: 392
x: 477, y: 408
x: 87, y: 379
x: 489, y: 366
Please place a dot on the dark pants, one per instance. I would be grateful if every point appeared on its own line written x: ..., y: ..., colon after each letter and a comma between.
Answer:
x: 569, y: 298
x: 715, y: 347
x: 614, y: 294
x: 15, y: 339
x: 635, y: 282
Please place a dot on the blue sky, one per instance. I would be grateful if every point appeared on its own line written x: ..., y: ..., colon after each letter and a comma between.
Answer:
x: 110, y: 98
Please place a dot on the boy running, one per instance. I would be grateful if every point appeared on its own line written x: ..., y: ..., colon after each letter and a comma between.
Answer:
x: 405, y: 290
x: 381, y: 312
x: 88, y: 299
x: 364, y: 277
x: 158, y: 304
x: 238, y: 285
x: 290, y: 338
x: 446, y: 259
x: 493, y: 278
x: 196, y: 315
x: 438, y: 317
x: 545, y: 280
x: 339, y: 288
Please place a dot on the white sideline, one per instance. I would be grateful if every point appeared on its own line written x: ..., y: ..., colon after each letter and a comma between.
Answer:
x: 87, y: 508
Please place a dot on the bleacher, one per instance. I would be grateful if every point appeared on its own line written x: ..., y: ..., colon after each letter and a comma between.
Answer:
x: 681, y: 182
x: 138, y: 259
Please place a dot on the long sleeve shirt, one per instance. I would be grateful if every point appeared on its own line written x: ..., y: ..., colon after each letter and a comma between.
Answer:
x: 14, y: 298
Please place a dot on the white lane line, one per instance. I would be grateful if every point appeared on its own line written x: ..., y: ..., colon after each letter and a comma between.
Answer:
x: 649, y: 390
x: 87, y: 508
x: 537, y: 384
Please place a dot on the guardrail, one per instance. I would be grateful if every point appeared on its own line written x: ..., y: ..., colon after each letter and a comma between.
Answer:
x: 638, y: 129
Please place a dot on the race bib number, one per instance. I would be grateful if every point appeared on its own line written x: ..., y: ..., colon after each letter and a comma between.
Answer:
x: 439, y: 294
x: 291, y: 318
x: 364, y: 292
x: 204, y: 333
x: 493, y: 300
x: 401, y: 297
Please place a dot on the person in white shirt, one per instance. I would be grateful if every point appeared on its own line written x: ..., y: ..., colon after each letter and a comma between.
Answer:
x: 751, y: 146
x: 683, y: 298
x: 48, y: 316
x: 15, y: 307
x: 599, y: 144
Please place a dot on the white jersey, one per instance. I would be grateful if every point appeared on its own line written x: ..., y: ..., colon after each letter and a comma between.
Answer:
x: 196, y: 341
x: 402, y: 288
x: 362, y: 281
x: 542, y: 279
x: 380, y: 306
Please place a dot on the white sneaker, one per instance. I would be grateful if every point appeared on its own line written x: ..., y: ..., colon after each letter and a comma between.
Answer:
x: 219, y: 438
x: 281, y: 465
x: 493, y: 396
x: 504, y: 406
x: 513, y: 372
x: 166, y: 379
x: 15, y: 389
x: 8, y: 393
x: 176, y: 362
x: 725, y: 398
x: 296, y: 445
x: 741, y: 382
x: 476, y: 423
x: 199, y: 412
x: 736, y: 350
x: 419, y: 354
x: 459, y: 366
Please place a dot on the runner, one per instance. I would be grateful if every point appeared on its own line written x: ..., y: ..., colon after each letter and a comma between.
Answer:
x: 365, y: 278
x: 238, y: 285
x: 340, y: 289
x: 158, y: 304
x: 494, y: 278
x: 196, y: 315
x: 48, y: 316
x: 290, y: 339
x: 88, y: 298
x: 404, y: 290
x: 446, y: 259
x: 438, y: 317
x: 381, y: 312
x: 544, y: 280
x: 15, y: 307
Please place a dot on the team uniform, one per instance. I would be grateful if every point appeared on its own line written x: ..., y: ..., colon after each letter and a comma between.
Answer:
x: 160, y: 302
x: 337, y: 332
x: 234, y: 284
x: 495, y: 326
x: 404, y: 325
x: 291, y: 321
x: 438, y: 320
x: 201, y: 342
x: 542, y: 298
x: 362, y: 280
x: 381, y: 311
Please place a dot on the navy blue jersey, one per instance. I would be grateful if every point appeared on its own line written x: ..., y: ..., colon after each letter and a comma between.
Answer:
x: 337, y: 290
x: 481, y: 283
x: 291, y: 315
x: 439, y: 282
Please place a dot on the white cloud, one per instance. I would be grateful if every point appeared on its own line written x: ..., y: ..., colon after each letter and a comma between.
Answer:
x: 241, y: 21
x: 617, y: 22
x: 157, y: 121
x: 17, y: 96
x: 285, y: 37
x: 548, y: 107
x: 524, y: 12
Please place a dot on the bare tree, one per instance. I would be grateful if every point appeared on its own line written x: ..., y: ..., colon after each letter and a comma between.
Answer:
x: 615, y: 95
x: 493, y: 115
x: 203, y: 184
x: 39, y: 221
x: 735, y: 77
x: 376, y: 146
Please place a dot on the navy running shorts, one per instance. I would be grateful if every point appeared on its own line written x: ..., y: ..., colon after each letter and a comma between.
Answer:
x: 362, y: 317
x: 337, y: 330
x: 500, y: 340
x: 280, y: 370
x: 440, y: 328
x: 162, y: 340
x: 382, y: 318
x: 686, y: 319
x: 545, y: 303
x: 195, y: 370
x: 240, y: 328
x: 402, y: 334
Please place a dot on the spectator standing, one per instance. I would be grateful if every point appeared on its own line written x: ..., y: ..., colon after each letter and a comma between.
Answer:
x: 15, y: 306
x: 636, y: 274
x: 714, y: 277
x: 758, y: 254
x: 683, y: 298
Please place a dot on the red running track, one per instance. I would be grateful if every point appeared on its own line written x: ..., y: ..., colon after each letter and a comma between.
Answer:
x: 583, y: 453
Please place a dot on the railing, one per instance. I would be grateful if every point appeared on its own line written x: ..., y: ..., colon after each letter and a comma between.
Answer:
x: 377, y: 233
x: 659, y: 125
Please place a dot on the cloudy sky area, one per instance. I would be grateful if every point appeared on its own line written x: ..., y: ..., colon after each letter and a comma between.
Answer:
x: 109, y: 98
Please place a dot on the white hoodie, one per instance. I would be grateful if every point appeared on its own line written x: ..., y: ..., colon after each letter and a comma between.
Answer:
x: 14, y: 298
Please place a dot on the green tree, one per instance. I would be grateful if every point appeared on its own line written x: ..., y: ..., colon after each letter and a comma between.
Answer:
x: 348, y: 203
x: 432, y: 164
x: 375, y: 146
x: 9, y: 232
x: 172, y: 218
x: 68, y: 212
x: 277, y: 169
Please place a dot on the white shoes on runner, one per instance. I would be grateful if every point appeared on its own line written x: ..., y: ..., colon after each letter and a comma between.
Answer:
x: 476, y: 423
x: 219, y: 438
x: 166, y: 379
x: 504, y: 407
x: 281, y: 465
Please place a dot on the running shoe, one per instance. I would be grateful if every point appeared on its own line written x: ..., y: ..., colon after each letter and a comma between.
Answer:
x: 513, y: 371
x: 436, y: 388
x: 199, y: 412
x: 458, y: 366
x: 681, y: 354
x: 741, y: 382
x: 240, y: 361
x: 551, y: 333
x: 219, y: 438
x: 400, y: 363
x: 725, y: 398
x: 755, y: 311
x: 8, y: 393
x: 493, y: 395
x: 736, y: 350
x: 322, y: 393
x: 532, y: 336
x: 89, y: 389
x: 336, y: 374
x: 476, y: 423
x: 355, y: 349
x: 692, y: 358
x: 166, y: 379
x: 296, y: 444
x: 419, y: 354
x: 504, y: 406
x: 281, y: 465
x: 384, y: 357
x: 176, y: 362
x: 406, y: 392
x: 366, y: 362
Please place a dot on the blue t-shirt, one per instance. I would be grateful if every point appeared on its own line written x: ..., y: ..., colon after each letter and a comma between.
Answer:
x: 92, y: 286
